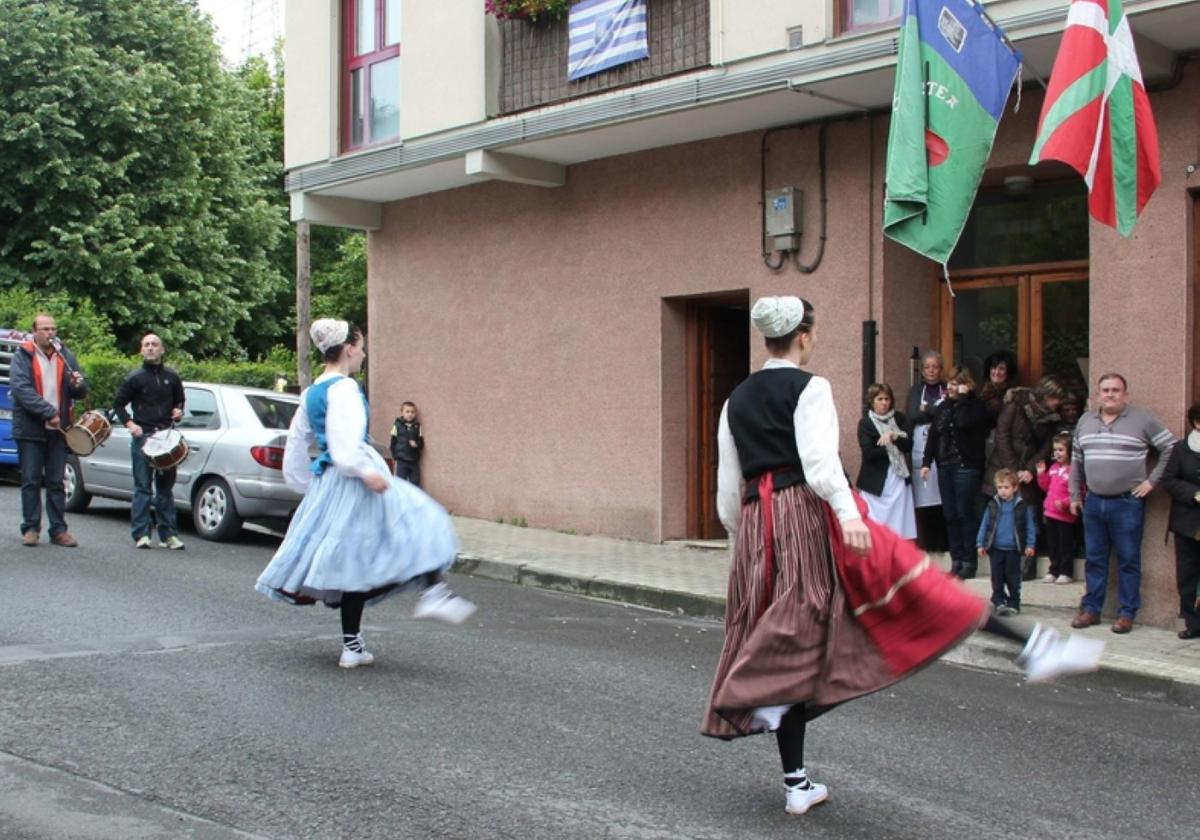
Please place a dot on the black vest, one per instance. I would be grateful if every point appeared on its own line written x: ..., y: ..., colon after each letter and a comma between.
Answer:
x: 761, y: 416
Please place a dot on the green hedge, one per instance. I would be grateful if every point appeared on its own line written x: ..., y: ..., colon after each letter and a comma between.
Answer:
x: 104, y: 372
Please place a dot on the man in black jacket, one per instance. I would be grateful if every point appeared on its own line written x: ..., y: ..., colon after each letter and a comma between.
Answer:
x: 44, y: 379
x: 156, y: 394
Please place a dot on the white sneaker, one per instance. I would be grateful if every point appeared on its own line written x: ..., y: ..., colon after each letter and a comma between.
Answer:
x: 354, y: 653
x: 354, y: 658
x: 143, y: 542
x: 1048, y: 579
x: 1064, y: 579
x: 439, y: 602
x: 1048, y: 655
x: 768, y: 717
x: 800, y: 799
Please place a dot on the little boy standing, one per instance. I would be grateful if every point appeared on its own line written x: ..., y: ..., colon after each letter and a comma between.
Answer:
x: 407, y: 443
x: 1000, y: 538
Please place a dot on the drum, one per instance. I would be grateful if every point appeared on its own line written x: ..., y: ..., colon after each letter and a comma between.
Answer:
x: 88, y: 432
x: 165, y: 449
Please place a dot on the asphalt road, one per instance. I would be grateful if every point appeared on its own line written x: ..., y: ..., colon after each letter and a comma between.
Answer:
x: 153, y: 694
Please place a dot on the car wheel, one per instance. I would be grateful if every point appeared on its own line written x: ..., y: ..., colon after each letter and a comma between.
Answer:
x: 214, y: 512
x: 78, y: 499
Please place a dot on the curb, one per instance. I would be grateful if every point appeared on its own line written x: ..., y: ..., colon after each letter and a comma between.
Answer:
x: 976, y: 651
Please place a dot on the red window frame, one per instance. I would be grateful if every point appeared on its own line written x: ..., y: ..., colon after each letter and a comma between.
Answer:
x: 848, y: 25
x: 352, y: 62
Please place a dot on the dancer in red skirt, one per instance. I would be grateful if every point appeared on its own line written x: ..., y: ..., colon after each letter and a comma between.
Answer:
x: 824, y: 605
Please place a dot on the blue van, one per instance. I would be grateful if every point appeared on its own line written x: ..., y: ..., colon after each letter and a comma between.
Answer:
x: 10, y: 340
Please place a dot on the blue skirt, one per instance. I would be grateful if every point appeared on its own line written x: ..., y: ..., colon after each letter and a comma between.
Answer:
x: 347, y: 538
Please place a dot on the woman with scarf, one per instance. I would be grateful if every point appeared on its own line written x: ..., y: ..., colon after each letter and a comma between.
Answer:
x: 885, y: 474
x: 1181, y: 479
x: 823, y: 605
x: 360, y: 534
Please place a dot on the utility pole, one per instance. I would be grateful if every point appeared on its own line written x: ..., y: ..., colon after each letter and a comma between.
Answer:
x: 303, y: 306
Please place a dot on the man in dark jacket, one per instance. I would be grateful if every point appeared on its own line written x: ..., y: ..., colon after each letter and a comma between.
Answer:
x: 44, y: 380
x: 156, y: 394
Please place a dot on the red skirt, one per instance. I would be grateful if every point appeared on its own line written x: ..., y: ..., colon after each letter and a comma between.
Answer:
x: 825, y: 625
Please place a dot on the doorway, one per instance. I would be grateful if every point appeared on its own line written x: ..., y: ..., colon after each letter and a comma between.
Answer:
x: 1039, y: 313
x: 718, y: 359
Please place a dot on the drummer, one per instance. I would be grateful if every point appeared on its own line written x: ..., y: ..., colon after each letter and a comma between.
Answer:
x: 44, y: 381
x: 155, y: 392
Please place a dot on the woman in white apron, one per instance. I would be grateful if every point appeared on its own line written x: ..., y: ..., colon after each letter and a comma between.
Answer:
x: 923, y: 398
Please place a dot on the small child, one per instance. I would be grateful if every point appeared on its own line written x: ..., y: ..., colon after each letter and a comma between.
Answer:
x: 1000, y: 539
x: 407, y: 443
x: 1060, y: 522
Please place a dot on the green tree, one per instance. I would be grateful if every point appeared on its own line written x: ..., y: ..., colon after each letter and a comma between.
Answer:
x: 133, y: 171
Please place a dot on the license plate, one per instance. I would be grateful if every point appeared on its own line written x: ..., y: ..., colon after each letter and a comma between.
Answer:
x: 5, y: 413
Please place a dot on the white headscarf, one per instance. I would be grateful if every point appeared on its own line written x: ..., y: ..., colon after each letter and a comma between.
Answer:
x: 329, y: 332
x: 777, y: 316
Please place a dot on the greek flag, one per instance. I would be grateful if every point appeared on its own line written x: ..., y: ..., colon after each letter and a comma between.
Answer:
x: 604, y: 34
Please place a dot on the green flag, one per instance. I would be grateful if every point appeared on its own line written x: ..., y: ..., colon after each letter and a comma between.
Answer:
x: 953, y: 74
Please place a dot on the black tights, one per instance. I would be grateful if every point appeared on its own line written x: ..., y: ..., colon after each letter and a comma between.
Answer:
x: 1007, y: 629
x: 790, y: 737
x: 353, y: 603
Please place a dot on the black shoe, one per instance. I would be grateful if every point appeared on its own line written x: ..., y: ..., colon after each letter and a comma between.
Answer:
x: 1189, y: 634
x: 967, y: 572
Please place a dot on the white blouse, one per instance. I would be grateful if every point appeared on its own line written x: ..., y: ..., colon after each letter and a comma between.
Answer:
x: 817, y: 441
x: 345, y: 432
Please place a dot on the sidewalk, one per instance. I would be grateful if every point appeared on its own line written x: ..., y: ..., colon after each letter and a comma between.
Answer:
x: 690, y: 579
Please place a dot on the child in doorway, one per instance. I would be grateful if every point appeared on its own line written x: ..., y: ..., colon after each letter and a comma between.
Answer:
x: 1060, y: 522
x: 1000, y: 539
x: 407, y: 443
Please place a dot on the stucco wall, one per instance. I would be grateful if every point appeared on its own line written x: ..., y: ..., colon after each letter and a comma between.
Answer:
x: 442, y: 66
x: 310, y: 104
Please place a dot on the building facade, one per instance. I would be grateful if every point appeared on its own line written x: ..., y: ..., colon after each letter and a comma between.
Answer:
x: 560, y: 272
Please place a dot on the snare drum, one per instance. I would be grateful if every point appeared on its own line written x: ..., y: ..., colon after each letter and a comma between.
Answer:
x: 88, y: 432
x: 165, y: 449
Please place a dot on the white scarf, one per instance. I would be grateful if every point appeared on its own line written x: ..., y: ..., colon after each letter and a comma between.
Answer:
x: 887, y: 423
x: 1193, y: 440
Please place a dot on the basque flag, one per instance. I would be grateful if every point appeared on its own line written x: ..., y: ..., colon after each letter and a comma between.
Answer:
x: 604, y: 34
x: 953, y: 76
x: 1097, y: 117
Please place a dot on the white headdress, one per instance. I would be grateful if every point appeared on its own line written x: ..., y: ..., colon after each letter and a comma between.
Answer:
x: 777, y: 316
x: 329, y: 332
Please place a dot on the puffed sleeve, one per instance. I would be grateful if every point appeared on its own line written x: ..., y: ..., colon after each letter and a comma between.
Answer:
x: 729, y: 476
x: 346, y: 430
x: 817, y: 441
x: 296, y: 462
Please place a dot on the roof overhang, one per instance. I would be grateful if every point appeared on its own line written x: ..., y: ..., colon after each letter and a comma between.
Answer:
x: 839, y: 79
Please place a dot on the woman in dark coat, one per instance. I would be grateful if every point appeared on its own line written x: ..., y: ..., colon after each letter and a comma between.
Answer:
x: 923, y: 399
x: 886, y: 471
x: 957, y: 439
x: 1181, y: 479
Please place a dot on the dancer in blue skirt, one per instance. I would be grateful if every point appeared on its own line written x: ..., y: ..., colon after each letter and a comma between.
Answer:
x: 359, y: 535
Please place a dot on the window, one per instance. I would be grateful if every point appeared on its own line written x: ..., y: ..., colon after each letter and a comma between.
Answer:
x: 869, y: 14
x: 371, y: 87
x: 199, y: 410
x: 272, y: 413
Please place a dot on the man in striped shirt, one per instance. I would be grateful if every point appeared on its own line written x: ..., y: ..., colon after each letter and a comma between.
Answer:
x: 1109, y: 457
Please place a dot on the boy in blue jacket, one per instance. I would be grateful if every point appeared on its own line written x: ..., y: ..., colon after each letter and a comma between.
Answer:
x: 1000, y: 539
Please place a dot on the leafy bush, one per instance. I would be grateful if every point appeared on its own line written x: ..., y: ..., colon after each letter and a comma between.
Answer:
x: 80, y: 325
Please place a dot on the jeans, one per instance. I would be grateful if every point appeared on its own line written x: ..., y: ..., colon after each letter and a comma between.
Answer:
x: 1006, y: 573
x: 164, y: 499
x: 410, y: 471
x: 1113, y: 524
x: 959, y: 488
x: 42, y: 464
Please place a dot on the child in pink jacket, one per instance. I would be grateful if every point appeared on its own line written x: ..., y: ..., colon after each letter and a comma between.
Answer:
x: 1060, y: 522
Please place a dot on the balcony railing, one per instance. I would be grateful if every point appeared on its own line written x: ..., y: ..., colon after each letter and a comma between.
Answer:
x: 535, y: 55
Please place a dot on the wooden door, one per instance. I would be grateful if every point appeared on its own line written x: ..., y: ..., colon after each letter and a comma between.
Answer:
x: 718, y: 359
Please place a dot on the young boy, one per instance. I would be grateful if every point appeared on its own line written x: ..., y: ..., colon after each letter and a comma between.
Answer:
x: 1000, y: 538
x: 407, y: 443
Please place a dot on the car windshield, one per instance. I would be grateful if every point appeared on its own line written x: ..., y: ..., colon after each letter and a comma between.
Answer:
x: 272, y: 413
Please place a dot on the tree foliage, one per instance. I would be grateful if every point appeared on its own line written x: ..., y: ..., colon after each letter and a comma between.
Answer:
x: 135, y: 171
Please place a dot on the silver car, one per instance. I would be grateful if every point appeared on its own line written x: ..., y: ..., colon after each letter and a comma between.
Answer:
x: 234, y: 468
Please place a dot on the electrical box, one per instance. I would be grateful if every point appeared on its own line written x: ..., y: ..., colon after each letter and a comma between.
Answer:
x: 784, y: 218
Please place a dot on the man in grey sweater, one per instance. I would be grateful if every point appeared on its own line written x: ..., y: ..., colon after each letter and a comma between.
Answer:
x: 1109, y: 457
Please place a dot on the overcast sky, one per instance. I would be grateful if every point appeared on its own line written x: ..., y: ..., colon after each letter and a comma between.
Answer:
x: 245, y: 27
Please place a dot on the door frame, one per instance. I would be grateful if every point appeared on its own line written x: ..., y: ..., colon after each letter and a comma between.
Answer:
x: 1030, y: 281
